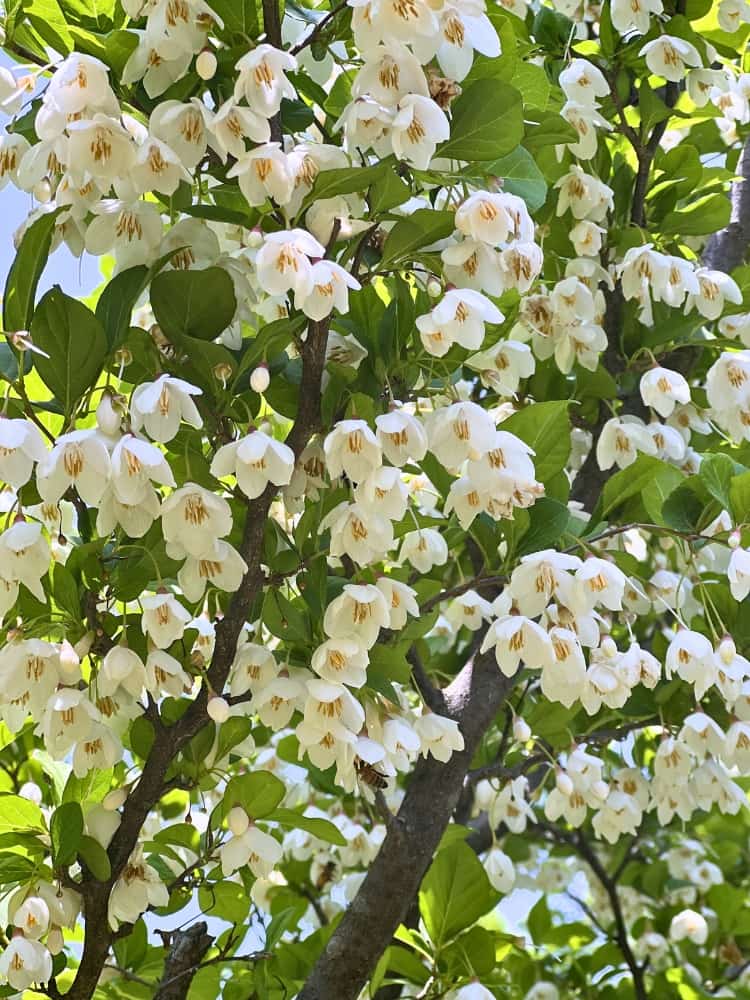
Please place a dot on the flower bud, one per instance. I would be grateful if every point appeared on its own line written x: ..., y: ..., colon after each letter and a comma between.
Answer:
x: 734, y: 540
x: 260, y: 379
x: 84, y: 644
x: 42, y: 191
x: 205, y: 65
x: 727, y: 650
x: 238, y: 821
x: 115, y: 799
x: 70, y: 664
x: 55, y: 941
x: 434, y: 288
x: 223, y: 372
x: 608, y: 647
x: 218, y: 710
x: 521, y: 730
x: 107, y: 415
x: 255, y: 239
x: 31, y: 791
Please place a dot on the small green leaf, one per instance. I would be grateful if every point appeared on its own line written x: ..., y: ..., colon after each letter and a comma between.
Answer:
x: 487, y: 122
x: 66, y: 830
x: 717, y: 472
x: 17, y: 814
x: 49, y: 21
x: 259, y: 793
x: 420, y: 229
x: 521, y: 176
x: 65, y: 591
x: 24, y: 274
x: 323, y: 829
x: 74, y: 339
x: 198, y: 304
x: 545, y: 427
x: 95, y: 858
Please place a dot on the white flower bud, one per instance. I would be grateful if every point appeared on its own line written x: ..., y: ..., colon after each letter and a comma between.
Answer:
x: 734, y: 540
x: 434, y: 288
x: 727, y: 649
x: 238, y: 821
x: 255, y: 239
x: 107, y: 416
x: 114, y: 799
x: 218, y: 710
x: 205, y: 65
x: 608, y: 647
x: 521, y: 730
x: 43, y: 191
x: 70, y: 664
x: 260, y: 379
x: 84, y: 644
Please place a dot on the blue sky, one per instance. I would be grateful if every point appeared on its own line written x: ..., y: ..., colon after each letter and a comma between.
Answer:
x: 77, y: 277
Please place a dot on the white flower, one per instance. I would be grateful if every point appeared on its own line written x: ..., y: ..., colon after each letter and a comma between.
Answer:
x: 691, y: 656
x: 131, y: 230
x: 341, y: 661
x: 541, y: 576
x: 121, y: 667
x: 192, y: 519
x: 222, y: 566
x: 256, y: 460
x: 352, y: 449
x: 164, y: 619
x: 499, y: 870
x: 21, y: 446
x: 585, y: 119
x: 424, y: 548
x: 583, y: 82
x: 738, y: 573
x: 417, y: 128
x: 669, y: 57
x: 458, y: 432
x: 628, y: 16
x: 714, y: 288
x: 157, y: 168
x: 564, y: 679
x: 662, y: 389
x: 25, y: 962
x: 78, y: 459
x: 328, y: 290
x: 164, y: 675
x: 599, y: 582
x: 384, y: 493
x: 12, y: 150
x: 99, y: 148
x: 360, y: 533
x: 689, y: 924
x: 620, y: 440
x: 262, y: 81
x: 135, y: 518
x: 264, y: 173
x: 231, y: 125
x: 516, y: 638
x: 138, y: 887
x: 100, y: 750
x: 183, y: 128
x: 330, y: 707
x: 276, y: 703
x: 389, y: 73
x: 494, y: 218
x: 401, y: 600
x: 585, y: 195
x: 68, y: 718
x: 359, y: 612
x: 502, y: 366
x: 134, y: 465
x: 253, y: 667
x: 160, y: 406
x: 259, y: 850
x: 469, y: 610
x: 511, y: 807
x: 283, y: 262
x: 401, y: 436
x: 458, y: 318
x: 438, y: 736
x: 543, y: 991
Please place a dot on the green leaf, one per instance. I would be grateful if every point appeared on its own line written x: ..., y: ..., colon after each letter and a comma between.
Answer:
x: 25, y: 272
x: 259, y: 793
x: 74, y: 339
x: 454, y: 894
x: 553, y: 30
x: 65, y: 591
x: 545, y: 427
x: 548, y: 520
x: 240, y: 17
x: 225, y: 900
x: 120, y: 297
x: 17, y: 814
x: 739, y: 495
x: 15, y: 868
x: 49, y: 21
x: 539, y: 921
x: 420, y: 229
x: 388, y: 191
x: 323, y: 829
x: 347, y: 180
x: 236, y: 729
x: 717, y: 472
x: 704, y: 215
x: 521, y: 176
x: 198, y: 304
x: 643, y: 474
x: 66, y: 830
x: 95, y: 858
x: 487, y: 122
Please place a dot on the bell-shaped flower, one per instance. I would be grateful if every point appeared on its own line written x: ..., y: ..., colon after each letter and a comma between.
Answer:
x: 469, y: 610
x: 383, y: 493
x: 79, y: 459
x: 164, y: 675
x: 458, y: 318
x: 438, y: 735
x: 668, y: 56
x: 264, y: 173
x: 401, y: 436
x: 276, y: 703
x: 691, y: 657
x: 134, y: 465
x: 418, y: 125
x: 662, y: 390
x: 362, y: 534
x: 627, y: 16
x: 69, y: 716
x: 389, y: 73
x: 500, y: 870
x: 620, y: 441
x: 121, y: 668
x: 253, y: 667
x: 160, y: 406
x: 352, y: 449
x: 689, y: 925
x: 135, y: 519
x: 231, y: 125
x: 714, y: 289
x: 157, y: 168
x: 283, y: 262
x: 183, y: 127
x: 541, y: 576
x: 401, y: 600
x: 516, y: 638
x: 583, y: 82
x: 100, y: 750
x: 564, y: 679
x: 598, y: 582
x: 192, y: 518
x: 341, y: 661
x: 138, y: 887
x: 359, y: 612
x: 460, y: 431
x: 255, y: 460
x: 329, y: 284
x: 738, y: 573
x: 258, y: 850
x: 502, y: 366
x: 703, y: 735
x: 222, y: 567
x: 25, y: 963
x: 261, y: 79
x: 424, y: 548
x: 163, y: 619
x: 32, y: 917
x: 99, y: 148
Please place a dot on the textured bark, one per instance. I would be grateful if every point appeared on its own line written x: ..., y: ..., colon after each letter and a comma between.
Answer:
x: 185, y: 954
x: 726, y: 249
x: 393, y: 879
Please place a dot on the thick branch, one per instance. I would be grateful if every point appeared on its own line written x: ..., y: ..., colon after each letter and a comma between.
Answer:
x: 393, y: 879
x: 185, y: 954
x: 726, y: 249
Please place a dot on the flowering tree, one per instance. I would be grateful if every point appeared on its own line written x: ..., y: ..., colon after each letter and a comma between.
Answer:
x: 376, y: 539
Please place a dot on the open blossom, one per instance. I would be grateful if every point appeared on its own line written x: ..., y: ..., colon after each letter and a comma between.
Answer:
x: 669, y: 57
x: 359, y: 612
x: 192, y: 519
x: 160, y: 406
x: 662, y: 390
x: 329, y: 284
x: 21, y: 446
x: 25, y: 962
x: 352, y: 449
x: 256, y: 460
x: 438, y: 736
x: 620, y: 440
x: 138, y: 887
x: 262, y: 79
x: 78, y: 459
x: 283, y: 262
x: 417, y: 127
x: 458, y: 318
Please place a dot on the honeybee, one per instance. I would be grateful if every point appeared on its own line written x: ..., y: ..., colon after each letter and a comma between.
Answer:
x: 327, y: 874
x: 369, y: 775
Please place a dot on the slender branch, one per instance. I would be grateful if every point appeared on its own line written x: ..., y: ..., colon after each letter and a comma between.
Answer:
x: 432, y: 696
x: 319, y: 27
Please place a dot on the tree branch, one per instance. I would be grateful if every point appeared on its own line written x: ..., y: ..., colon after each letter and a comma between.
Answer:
x: 186, y: 952
x: 726, y: 249
x: 393, y: 879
